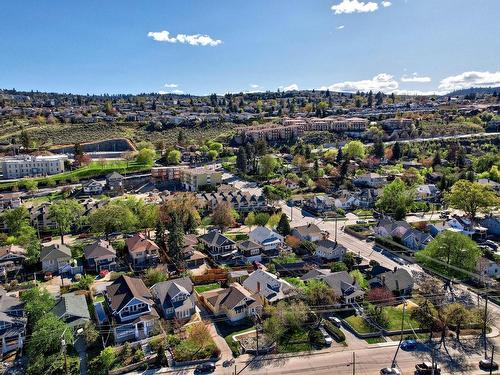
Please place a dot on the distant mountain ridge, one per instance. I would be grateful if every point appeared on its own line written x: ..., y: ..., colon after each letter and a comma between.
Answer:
x: 475, y: 90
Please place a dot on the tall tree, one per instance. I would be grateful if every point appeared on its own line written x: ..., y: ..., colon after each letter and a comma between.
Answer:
x: 241, y: 160
x: 37, y: 303
x: 267, y: 165
x: 175, y: 243
x: 110, y: 218
x: 396, y: 198
x: 378, y: 149
x: 222, y: 215
x: 451, y: 248
x: 283, y: 227
x: 471, y: 197
x: 396, y: 151
x: 354, y: 149
x: 65, y: 213
x: 15, y: 218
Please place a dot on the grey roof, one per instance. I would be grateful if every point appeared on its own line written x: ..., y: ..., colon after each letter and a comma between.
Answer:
x: 215, y: 238
x: 126, y: 288
x: 316, y: 272
x: 395, y: 280
x: 98, y: 249
x: 114, y: 176
x: 329, y: 245
x: 72, y: 308
x: 268, y: 285
x: 308, y: 229
x: 54, y: 252
x: 11, y: 311
x: 248, y: 245
x: 169, y: 289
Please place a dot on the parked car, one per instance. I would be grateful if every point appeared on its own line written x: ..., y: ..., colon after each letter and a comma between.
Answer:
x: 326, y: 337
x: 205, y: 368
x: 361, y: 222
x: 491, y: 244
x: 390, y: 371
x: 336, y: 321
x: 425, y: 368
x: 486, y: 364
x: 408, y: 345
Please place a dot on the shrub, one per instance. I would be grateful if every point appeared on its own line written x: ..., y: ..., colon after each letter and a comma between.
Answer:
x: 334, y: 331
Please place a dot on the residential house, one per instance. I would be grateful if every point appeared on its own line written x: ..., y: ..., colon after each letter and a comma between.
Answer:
x: 142, y: 251
x: 114, y: 182
x: 320, y: 204
x: 249, y: 251
x: 240, y: 201
x: 398, y: 281
x: 488, y: 267
x: 330, y: 250
x: 191, y: 256
x: 308, y: 232
x: 92, y: 187
x: 100, y: 255
x: 495, y: 186
x: 492, y: 223
x: 72, y: 309
x: 235, y: 303
x: 415, y: 239
x: 55, y: 258
x: 132, y: 309
x: 40, y: 217
x: 427, y: 192
x: 12, y: 258
x: 175, y: 298
x: 391, y: 228
x: 372, y: 180
x: 267, y: 238
x: 218, y: 246
x: 344, y: 285
x: 268, y: 286
x: 12, y: 323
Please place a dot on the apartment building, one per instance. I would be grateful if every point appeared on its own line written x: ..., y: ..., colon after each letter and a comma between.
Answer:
x: 193, y: 179
x: 337, y: 124
x: 32, y: 166
x: 272, y: 132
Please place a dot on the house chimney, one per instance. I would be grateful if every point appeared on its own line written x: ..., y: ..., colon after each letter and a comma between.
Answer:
x: 258, y: 286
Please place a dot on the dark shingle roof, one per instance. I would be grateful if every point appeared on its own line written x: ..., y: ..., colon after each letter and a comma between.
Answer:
x: 126, y: 288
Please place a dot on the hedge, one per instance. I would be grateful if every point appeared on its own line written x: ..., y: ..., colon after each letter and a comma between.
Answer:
x: 333, y: 330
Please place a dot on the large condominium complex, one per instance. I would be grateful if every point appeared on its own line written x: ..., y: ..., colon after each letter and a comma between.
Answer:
x: 292, y: 128
x: 192, y: 179
x: 271, y: 132
x: 32, y: 166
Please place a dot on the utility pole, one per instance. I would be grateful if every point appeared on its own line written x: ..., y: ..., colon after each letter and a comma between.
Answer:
x: 491, y: 359
x: 432, y: 358
x: 235, y: 370
x: 353, y: 363
x: 401, y: 338
x: 335, y: 227
x: 63, y: 345
x: 484, y: 324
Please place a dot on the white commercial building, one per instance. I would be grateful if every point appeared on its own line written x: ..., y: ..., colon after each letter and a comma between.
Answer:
x: 32, y: 166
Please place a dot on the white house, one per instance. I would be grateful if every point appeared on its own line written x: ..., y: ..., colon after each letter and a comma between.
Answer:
x: 330, y: 250
x: 267, y: 238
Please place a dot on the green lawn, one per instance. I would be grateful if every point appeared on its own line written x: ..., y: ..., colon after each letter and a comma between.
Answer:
x: 206, y: 287
x: 94, y: 169
x: 237, y: 236
x: 235, y: 348
x: 375, y: 340
x: 359, y: 324
x: 394, y: 316
x: 296, y: 342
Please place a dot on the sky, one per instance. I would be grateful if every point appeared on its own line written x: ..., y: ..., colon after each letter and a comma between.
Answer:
x: 205, y: 46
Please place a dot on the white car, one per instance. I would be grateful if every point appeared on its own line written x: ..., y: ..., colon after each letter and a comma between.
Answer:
x: 336, y: 321
x: 326, y: 336
x: 390, y: 371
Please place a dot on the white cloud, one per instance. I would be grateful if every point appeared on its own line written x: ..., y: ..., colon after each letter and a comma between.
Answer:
x: 386, y: 4
x: 470, y: 79
x: 340, y: 27
x: 354, y: 6
x: 418, y: 92
x: 381, y: 82
x: 254, y: 86
x: 194, y: 40
x: 415, y: 78
x: 178, y: 92
x: 171, y: 85
x: 292, y: 87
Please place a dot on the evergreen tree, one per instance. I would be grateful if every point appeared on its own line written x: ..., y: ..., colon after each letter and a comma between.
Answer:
x: 340, y: 155
x: 175, y: 237
x: 436, y: 160
x: 241, y: 160
x: 191, y: 224
x: 396, y: 151
x: 378, y: 149
x: 370, y: 99
x: 160, y: 234
x: 283, y: 227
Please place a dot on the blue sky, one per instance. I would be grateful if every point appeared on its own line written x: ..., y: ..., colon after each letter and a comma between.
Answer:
x: 96, y: 46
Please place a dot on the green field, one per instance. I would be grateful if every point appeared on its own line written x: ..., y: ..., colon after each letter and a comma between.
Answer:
x: 93, y: 169
x: 359, y: 324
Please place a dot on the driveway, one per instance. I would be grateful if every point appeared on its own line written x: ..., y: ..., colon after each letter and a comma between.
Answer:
x: 81, y: 348
x: 226, y: 352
